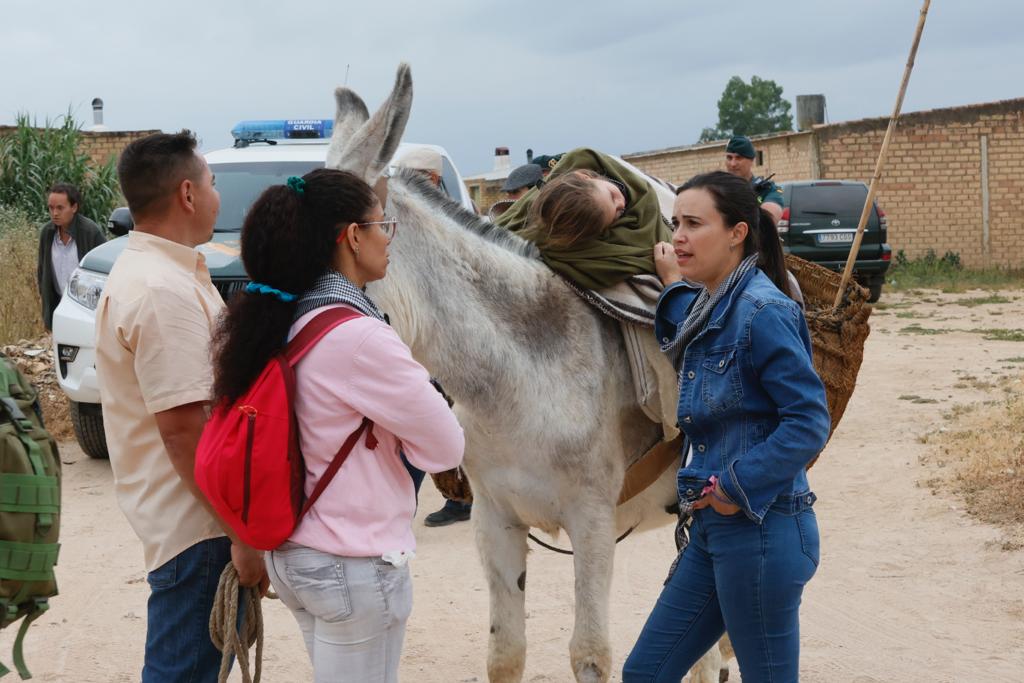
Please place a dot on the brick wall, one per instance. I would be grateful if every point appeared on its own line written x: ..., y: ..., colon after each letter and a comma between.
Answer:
x: 788, y: 156
x: 485, y: 192
x: 101, y: 146
x: 104, y: 146
x: 932, y: 188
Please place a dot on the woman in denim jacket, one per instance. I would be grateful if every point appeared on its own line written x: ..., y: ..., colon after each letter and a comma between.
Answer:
x: 754, y: 414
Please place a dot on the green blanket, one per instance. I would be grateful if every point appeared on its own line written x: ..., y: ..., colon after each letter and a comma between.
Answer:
x: 626, y: 249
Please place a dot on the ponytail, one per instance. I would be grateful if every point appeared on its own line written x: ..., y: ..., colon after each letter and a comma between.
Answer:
x: 288, y: 241
x: 770, y: 259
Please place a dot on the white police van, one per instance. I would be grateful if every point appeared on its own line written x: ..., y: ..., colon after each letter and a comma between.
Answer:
x: 265, y: 153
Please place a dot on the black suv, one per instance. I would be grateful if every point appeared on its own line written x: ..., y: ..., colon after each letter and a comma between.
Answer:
x: 819, y: 222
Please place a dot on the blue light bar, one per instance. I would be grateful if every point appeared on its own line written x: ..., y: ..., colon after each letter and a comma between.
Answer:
x: 283, y: 129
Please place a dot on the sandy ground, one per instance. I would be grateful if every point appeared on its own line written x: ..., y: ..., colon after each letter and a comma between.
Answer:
x: 909, y: 588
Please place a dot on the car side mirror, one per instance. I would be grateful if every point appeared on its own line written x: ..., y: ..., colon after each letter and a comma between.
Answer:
x: 120, y: 221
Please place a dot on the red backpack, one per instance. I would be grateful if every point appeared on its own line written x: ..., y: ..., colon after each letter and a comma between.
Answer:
x: 248, y: 462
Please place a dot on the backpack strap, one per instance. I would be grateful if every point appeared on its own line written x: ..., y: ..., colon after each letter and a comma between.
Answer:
x: 339, y: 459
x: 315, y: 330
x: 18, y: 652
x: 308, y: 336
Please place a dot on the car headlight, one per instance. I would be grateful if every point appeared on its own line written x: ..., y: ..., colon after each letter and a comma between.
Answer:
x: 85, y: 287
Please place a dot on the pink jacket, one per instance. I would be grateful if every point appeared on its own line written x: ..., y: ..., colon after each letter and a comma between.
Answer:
x: 363, y: 368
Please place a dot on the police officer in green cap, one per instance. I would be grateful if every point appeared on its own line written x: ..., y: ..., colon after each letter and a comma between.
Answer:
x: 546, y: 162
x: 739, y: 160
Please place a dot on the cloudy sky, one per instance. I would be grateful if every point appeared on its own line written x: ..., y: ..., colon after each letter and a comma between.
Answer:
x: 623, y: 76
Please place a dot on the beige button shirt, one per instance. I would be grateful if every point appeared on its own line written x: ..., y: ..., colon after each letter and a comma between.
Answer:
x: 153, y: 328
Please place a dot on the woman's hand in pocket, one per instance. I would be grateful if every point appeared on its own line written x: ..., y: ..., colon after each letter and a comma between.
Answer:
x: 718, y: 500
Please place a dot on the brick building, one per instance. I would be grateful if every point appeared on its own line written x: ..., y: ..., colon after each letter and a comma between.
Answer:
x: 485, y: 188
x: 952, y: 181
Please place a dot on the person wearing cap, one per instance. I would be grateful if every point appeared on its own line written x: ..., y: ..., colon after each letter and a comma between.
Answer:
x: 425, y: 160
x: 519, y: 182
x: 522, y: 179
x: 739, y: 161
x: 547, y: 162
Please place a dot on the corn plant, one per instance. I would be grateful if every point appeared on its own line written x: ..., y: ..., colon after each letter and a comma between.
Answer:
x: 33, y: 157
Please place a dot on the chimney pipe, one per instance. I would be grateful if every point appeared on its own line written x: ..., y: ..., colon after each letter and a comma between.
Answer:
x: 810, y: 111
x: 502, y: 163
x: 97, y: 116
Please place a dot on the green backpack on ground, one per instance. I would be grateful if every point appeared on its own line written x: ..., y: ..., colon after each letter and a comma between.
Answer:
x: 29, y: 509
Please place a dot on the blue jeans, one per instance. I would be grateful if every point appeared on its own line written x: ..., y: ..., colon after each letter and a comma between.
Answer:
x: 734, y: 576
x: 178, y: 645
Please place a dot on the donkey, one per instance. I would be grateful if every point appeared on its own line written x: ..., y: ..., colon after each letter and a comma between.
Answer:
x: 541, y: 383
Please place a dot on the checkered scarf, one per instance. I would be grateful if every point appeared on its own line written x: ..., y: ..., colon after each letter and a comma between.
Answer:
x: 704, y: 307
x: 334, y: 288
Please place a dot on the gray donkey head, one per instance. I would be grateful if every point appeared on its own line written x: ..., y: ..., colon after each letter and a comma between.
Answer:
x: 363, y: 144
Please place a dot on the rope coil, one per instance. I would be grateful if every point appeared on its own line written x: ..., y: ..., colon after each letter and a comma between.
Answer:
x: 226, y: 638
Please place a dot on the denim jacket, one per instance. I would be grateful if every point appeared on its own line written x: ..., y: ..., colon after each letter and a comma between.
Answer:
x: 750, y: 402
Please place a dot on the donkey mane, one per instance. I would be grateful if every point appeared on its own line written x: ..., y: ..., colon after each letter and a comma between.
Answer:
x: 466, y: 219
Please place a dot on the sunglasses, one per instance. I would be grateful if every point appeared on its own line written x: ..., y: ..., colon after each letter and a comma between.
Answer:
x: 388, y: 226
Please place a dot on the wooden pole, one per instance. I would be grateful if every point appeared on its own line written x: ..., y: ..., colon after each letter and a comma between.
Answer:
x: 873, y: 188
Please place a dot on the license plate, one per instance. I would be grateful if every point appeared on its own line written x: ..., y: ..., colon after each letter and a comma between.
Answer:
x: 836, y: 238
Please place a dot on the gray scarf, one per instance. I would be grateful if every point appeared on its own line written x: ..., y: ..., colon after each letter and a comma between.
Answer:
x: 334, y: 288
x: 703, y: 308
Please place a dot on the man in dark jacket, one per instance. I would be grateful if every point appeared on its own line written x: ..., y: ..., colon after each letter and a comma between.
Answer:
x: 62, y: 243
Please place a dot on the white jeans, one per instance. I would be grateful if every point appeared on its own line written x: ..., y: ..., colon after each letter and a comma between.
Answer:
x: 352, y: 611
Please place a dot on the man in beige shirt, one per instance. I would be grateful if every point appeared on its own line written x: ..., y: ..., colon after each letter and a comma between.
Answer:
x: 154, y: 323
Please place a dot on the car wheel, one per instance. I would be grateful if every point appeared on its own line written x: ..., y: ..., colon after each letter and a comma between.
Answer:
x: 874, y: 292
x: 87, y: 419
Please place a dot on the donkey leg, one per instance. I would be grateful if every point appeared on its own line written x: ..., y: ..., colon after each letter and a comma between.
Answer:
x: 592, y: 533
x: 708, y: 668
x: 502, y: 546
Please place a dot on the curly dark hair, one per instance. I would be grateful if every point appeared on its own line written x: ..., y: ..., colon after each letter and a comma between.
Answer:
x: 736, y: 202
x: 72, y: 193
x: 288, y: 241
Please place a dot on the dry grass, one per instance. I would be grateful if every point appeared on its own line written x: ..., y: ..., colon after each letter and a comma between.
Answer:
x: 33, y: 358
x: 21, y: 323
x: 20, y: 316
x: 986, y: 452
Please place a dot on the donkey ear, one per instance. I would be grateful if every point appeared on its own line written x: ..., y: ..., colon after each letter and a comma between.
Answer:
x: 350, y: 114
x: 369, y: 150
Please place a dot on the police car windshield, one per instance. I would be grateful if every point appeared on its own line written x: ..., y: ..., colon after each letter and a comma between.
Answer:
x: 240, y: 184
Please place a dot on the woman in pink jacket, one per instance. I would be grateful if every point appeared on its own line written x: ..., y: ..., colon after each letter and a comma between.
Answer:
x: 312, y: 243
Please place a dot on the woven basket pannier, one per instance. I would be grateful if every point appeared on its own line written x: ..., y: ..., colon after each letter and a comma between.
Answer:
x: 837, y: 336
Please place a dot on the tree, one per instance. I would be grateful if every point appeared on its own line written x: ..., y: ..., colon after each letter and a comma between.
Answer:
x: 750, y: 109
